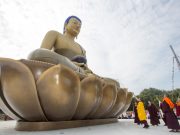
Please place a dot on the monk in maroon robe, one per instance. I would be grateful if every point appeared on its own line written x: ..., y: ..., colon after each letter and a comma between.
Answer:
x: 163, y: 116
x: 171, y: 119
x: 178, y: 108
x: 153, y: 112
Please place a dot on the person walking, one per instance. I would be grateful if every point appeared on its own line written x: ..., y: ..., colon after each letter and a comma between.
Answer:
x: 178, y: 108
x: 136, y: 119
x: 141, y: 113
x: 153, y: 112
x: 170, y: 117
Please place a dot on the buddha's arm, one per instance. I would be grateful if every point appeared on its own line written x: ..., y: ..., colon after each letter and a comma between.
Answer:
x: 49, y: 39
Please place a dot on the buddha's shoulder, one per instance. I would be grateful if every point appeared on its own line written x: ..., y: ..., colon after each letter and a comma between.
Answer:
x: 54, y: 32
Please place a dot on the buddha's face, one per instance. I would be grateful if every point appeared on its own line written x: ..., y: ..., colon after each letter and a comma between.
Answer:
x: 73, y: 27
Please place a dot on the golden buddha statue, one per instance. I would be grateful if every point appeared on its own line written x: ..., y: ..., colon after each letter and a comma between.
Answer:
x: 64, y: 45
x: 56, y: 85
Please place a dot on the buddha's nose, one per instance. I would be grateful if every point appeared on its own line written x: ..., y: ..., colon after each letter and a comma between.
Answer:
x: 78, y: 26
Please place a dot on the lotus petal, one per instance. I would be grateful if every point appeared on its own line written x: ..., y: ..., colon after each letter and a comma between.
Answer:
x: 36, y: 67
x: 91, y: 89
x: 111, y: 81
x: 59, y: 92
x: 124, y: 100
x: 119, y: 104
x: 108, y: 100
x: 127, y: 104
x: 6, y: 108
x: 19, y: 90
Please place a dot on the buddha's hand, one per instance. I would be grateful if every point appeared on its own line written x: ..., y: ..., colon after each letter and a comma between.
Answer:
x: 79, y: 64
x: 84, y: 67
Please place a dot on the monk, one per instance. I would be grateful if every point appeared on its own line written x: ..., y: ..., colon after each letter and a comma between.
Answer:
x: 153, y: 112
x: 136, y: 119
x: 141, y: 113
x: 171, y: 119
x: 163, y: 113
x: 178, y: 108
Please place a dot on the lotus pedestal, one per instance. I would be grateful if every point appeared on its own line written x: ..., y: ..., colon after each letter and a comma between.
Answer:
x: 42, y: 126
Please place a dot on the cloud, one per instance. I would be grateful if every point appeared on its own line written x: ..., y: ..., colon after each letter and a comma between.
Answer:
x: 126, y: 40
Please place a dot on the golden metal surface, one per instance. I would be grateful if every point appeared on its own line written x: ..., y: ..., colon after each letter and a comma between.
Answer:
x: 124, y: 101
x: 119, y: 104
x: 127, y: 104
x: 45, y: 58
x: 42, y: 126
x: 6, y: 108
x: 36, y: 67
x: 48, y: 56
x: 19, y: 90
x: 59, y: 95
x: 37, y: 92
x: 111, y: 81
x: 91, y: 89
x: 108, y: 100
x: 59, y: 92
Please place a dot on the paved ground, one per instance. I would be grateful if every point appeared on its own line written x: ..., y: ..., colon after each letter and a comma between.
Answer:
x: 123, y: 127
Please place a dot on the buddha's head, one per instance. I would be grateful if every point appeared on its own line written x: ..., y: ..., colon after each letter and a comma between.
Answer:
x: 72, y: 25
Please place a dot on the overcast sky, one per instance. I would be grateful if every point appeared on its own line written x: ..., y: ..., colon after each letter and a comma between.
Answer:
x: 127, y: 40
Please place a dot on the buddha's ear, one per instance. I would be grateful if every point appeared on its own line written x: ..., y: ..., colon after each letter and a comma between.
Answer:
x: 65, y: 25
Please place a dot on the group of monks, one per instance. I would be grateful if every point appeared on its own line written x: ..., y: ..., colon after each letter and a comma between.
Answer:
x: 168, y: 115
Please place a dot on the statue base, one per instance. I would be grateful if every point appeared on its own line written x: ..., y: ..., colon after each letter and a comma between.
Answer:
x: 42, y: 126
